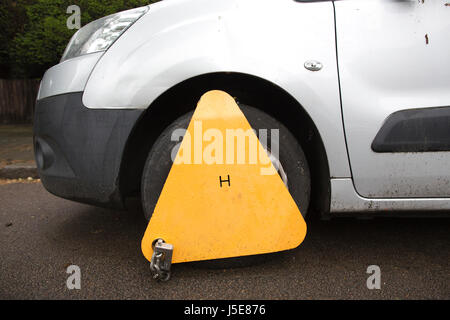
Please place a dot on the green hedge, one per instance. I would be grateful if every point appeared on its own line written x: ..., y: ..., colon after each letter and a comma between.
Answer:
x: 34, y: 32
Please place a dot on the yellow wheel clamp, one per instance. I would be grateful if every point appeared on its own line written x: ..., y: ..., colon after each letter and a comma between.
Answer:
x: 219, y: 206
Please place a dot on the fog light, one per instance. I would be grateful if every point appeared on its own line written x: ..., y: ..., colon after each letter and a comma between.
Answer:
x: 43, y: 154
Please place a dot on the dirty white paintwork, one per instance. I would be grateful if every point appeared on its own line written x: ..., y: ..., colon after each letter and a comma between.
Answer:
x: 386, y: 65
x: 344, y: 199
x: 272, y: 39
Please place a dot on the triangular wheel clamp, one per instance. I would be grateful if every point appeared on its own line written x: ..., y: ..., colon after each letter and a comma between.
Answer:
x: 214, y: 211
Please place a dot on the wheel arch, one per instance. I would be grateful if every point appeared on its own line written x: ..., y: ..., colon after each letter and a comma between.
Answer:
x: 246, y: 89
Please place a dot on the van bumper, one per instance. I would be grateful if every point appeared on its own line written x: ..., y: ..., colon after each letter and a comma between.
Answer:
x: 78, y: 150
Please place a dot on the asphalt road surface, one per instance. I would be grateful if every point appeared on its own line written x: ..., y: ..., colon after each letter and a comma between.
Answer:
x: 41, y: 235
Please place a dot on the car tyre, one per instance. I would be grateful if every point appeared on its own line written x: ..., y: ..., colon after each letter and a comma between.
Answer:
x: 291, y: 157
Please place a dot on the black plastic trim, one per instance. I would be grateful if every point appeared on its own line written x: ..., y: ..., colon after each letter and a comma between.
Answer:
x: 79, y: 150
x: 415, y: 130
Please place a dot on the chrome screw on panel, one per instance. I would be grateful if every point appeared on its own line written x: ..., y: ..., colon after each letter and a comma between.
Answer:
x: 313, y: 65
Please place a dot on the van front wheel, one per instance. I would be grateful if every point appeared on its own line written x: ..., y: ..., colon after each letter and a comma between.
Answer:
x: 291, y: 163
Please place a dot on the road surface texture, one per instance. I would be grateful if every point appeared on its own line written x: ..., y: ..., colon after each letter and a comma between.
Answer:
x: 41, y: 235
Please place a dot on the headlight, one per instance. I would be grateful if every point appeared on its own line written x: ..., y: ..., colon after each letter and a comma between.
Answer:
x: 100, y: 34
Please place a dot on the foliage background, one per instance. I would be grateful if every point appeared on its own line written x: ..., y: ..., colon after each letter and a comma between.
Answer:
x: 34, y: 33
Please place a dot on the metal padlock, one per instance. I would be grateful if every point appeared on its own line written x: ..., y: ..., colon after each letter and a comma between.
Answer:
x: 161, y: 260
x: 167, y: 250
